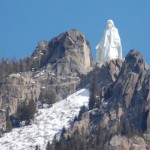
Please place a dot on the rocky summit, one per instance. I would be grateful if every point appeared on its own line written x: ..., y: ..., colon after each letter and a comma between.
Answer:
x: 68, y: 53
x: 54, y: 73
x: 119, y: 119
x: 116, y: 118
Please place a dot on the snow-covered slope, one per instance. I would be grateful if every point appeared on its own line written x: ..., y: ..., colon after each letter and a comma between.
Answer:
x: 110, y: 45
x: 47, y: 124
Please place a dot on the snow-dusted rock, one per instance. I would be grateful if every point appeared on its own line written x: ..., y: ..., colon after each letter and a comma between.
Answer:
x: 48, y: 123
x: 110, y: 45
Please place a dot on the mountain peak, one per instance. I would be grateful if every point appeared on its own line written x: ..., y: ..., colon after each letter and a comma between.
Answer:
x: 68, y: 52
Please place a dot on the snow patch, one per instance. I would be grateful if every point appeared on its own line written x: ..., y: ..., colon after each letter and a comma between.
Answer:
x: 32, y: 81
x: 51, y: 73
x: 46, y: 125
x: 41, y: 53
x: 35, y: 57
x: 39, y: 74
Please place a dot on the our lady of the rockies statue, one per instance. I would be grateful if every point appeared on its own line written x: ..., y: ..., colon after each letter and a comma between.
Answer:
x: 110, y: 45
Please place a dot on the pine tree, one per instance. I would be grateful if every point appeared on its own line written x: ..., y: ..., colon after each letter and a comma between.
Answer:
x: 77, y: 139
x: 8, y: 122
x: 26, y: 111
x: 50, y: 97
x: 82, y: 110
x: 126, y: 130
x: 92, y: 100
x: 36, y: 147
x: 49, y: 146
x: 31, y: 108
x: 100, y: 138
x: 63, y: 131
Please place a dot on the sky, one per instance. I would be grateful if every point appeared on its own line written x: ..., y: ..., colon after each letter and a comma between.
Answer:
x: 24, y: 23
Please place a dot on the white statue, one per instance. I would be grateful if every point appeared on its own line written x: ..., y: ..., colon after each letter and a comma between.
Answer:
x: 110, y: 46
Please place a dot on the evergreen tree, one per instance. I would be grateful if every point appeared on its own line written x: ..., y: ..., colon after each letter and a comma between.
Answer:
x: 63, y: 131
x: 126, y: 129
x: 82, y: 110
x: 51, y: 97
x: 31, y: 108
x: 92, y: 100
x: 8, y: 122
x: 36, y: 147
x: 47, y: 97
x: 100, y: 138
x: 76, y: 142
x: 49, y: 146
x: 26, y: 111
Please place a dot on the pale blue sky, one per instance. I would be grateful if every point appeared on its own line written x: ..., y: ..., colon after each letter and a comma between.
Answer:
x: 23, y: 23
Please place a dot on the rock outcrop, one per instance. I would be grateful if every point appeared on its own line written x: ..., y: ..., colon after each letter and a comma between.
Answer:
x: 131, y: 91
x: 123, y: 143
x: 65, y: 58
x: 105, y: 75
x: 121, y: 119
x: 16, y: 89
x: 59, y: 64
x: 126, y: 109
x: 68, y: 53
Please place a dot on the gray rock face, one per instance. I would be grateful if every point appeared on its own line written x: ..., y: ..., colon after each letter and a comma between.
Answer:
x: 105, y: 75
x: 64, y: 59
x: 16, y: 89
x: 128, y: 102
x: 132, y: 90
x: 123, y: 143
x: 67, y: 53
x: 126, y: 99
x: 123, y: 110
x: 132, y: 69
x: 61, y: 61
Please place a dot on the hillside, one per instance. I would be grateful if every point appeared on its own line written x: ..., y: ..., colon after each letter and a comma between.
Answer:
x: 47, y: 123
x: 116, y: 93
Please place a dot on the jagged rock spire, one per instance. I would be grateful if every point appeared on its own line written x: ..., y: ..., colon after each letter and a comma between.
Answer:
x: 110, y: 45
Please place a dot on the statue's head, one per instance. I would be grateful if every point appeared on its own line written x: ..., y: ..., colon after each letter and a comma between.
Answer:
x: 110, y: 24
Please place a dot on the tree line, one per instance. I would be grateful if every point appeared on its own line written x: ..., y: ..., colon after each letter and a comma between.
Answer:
x: 8, y: 66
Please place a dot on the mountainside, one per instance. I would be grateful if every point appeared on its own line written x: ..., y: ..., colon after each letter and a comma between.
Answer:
x: 54, y: 70
x: 117, y: 112
x: 47, y: 123
x: 119, y: 120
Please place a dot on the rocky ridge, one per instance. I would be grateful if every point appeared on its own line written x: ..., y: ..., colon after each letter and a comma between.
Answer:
x: 65, y: 54
x: 60, y: 62
x: 66, y: 65
x: 121, y: 118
